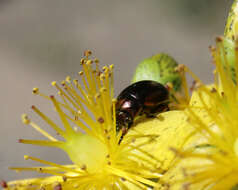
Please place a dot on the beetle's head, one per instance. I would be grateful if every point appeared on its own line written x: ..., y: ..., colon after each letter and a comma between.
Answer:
x: 123, y: 121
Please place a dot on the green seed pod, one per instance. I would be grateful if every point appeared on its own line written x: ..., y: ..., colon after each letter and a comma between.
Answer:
x: 235, y: 187
x: 228, y: 56
x: 231, y: 29
x: 160, y: 68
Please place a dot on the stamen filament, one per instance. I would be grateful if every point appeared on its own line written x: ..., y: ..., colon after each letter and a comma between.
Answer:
x: 57, y: 144
x: 49, y: 121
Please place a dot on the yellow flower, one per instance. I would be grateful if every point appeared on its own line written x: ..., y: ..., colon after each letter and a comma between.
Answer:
x: 212, y: 163
x: 90, y: 139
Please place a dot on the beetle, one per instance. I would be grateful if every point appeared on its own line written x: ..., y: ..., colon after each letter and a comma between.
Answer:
x: 143, y: 97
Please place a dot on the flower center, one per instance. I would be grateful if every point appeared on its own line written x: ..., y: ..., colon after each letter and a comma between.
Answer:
x: 87, y: 152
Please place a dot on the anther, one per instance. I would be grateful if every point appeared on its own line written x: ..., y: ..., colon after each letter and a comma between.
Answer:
x: 102, y: 76
x: 53, y: 83
x: 75, y: 81
x: 80, y: 73
x: 35, y: 91
x: 64, y: 178
x: 212, y: 48
x: 180, y: 68
x: 169, y: 86
x: 87, y: 53
x: 84, y: 167
x: 103, y: 89
x: 213, y: 90
x: 89, y: 62
x: 82, y: 61
x: 123, y: 179
x: 99, y: 73
x: 133, y: 140
x: 25, y: 119
x: 33, y: 107
x: 96, y: 60
x: 104, y: 68
x: 68, y: 79
x: 219, y: 39
x: 101, y: 120
x: 3, y: 184
x: 97, y: 95
x: 195, y: 85
x: 26, y: 157
x: 111, y: 66
x: 58, y: 187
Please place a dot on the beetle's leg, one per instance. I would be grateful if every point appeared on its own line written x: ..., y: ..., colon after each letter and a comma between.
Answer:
x: 124, y: 131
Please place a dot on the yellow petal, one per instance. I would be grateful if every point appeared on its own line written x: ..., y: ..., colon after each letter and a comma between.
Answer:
x: 169, y: 130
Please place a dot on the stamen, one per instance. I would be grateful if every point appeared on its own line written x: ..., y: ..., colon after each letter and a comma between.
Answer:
x: 181, y: 70
x: 236, y: 59
x: 27, y: 121
x: 36, y: 91
x: 56, y: 167
x: 114, y: 116
x: 111, y: 80
x: 49, y: 121
x: 78, y: 99
x: 66, y: 124
x: 64, y: 94
x: 57, y: 144
x: 81, y: 74
x: 106, y: 106
x: 81, y: 125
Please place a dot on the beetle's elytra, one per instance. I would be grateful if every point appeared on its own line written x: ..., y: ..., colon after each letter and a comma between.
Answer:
x: 143, y: 97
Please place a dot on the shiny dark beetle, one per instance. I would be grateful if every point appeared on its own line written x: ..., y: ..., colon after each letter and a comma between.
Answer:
x: 143, y: 97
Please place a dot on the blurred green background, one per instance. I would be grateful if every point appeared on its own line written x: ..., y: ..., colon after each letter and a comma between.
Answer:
x: 42, y: 41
